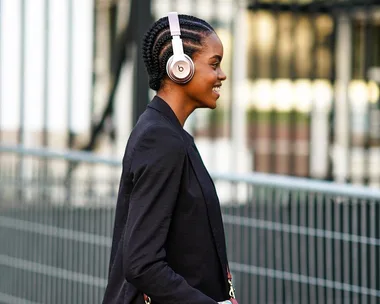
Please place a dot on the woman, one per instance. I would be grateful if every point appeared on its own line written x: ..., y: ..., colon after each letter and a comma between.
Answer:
x: 168, y: 243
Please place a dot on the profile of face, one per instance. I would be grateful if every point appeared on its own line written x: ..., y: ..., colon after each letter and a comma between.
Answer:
x: 201, y: 43
x: 204, y: 88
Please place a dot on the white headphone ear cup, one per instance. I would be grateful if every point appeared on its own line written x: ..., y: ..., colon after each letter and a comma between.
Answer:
x: 180, y: 70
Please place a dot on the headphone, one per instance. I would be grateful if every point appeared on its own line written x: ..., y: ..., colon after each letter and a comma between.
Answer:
x: 180, y: 67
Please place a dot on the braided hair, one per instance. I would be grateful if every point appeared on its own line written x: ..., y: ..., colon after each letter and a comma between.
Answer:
x: 157, y: 44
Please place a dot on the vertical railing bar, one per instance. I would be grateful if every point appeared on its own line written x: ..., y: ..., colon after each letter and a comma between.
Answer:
x: 273, y: 204
x: 256, y: 230
x: 244, y: 242
x: 277, y: 243
x: 377, y: 248
x: 305, y: 207
x: 61, y: 287
x: 52, y: 286
x: 89, y: 209
x: 360, y: 212
x: 266, y: 234
x: 67, y: 262
x: 239, y: 229
x: 319, y: 256
x: 367, y: 226
x: 261, y: 237
x: 84, y: 291
x: 92, y: 219
x: 103, y: 228
x: 309, y: 251
x: 335, y: 245
x: 253, y: 248
x: 342, y: 254
x: 102, y: 215
x: 39, y: 209
x: 290, y: 239
x: 299, y: 244
x: 351, y: 205
x: 45, y: 251
x: 285, y: 205
x: 330, y: 205
x: 32, y: 217
x: 233, y: 227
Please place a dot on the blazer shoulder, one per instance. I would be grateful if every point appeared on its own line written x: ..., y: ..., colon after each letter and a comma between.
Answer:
x: 156, y: 135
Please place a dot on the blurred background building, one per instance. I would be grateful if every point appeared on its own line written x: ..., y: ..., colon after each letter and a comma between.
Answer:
x: 302, y: 96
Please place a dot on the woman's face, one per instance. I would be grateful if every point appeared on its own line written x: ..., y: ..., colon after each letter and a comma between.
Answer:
x: 203, y: 89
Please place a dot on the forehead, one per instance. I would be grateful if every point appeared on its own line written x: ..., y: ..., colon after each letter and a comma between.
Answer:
x: 212, y: 46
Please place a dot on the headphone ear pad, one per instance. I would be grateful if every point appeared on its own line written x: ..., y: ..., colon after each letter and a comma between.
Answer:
x: 180, y: 70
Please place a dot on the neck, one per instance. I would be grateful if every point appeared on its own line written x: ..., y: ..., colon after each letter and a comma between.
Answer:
x: 177, y: 103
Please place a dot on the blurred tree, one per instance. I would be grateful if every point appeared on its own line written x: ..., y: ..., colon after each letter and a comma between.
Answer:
x: 124, y: 45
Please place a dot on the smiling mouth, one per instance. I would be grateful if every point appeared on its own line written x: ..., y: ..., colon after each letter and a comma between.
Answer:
x: 216, y: 89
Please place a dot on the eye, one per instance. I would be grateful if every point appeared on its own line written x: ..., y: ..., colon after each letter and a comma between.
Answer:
x: 215, y: 65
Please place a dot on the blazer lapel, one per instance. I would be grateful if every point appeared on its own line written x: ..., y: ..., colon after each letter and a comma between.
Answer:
x: 212, y: 203
x: 205, y: 181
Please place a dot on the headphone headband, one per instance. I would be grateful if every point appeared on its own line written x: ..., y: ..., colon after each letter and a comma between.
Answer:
x: 174, y: 24
x: 175, y: 31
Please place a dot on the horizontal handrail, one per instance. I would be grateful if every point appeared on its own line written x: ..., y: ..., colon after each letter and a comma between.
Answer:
x: 254, y: 178
x: 71, y: 155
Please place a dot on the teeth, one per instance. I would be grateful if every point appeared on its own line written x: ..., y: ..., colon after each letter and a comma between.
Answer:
x: 216, y: 89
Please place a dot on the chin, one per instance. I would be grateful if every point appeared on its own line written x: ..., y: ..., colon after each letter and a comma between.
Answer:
x: 207, y: 104
x: 212, y: 104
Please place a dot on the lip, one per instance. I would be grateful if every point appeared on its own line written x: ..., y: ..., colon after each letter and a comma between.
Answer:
x: 217, y: 94
x: 217, y: 85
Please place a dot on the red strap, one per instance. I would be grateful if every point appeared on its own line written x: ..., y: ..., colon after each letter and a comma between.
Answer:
x: 229, y: 276
x: 146, y: 299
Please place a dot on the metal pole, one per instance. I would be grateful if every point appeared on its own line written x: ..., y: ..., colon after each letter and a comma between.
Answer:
x: 45, y: 140
x: 70, y: 73
x: 343, y: 76
x: 69, y: 99
x: 1, y: 72
x: 239, y: 93
x: 141, y: 87
x: 21, y: 131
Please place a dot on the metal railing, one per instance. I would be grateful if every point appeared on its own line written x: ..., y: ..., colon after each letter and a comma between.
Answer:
x: 290, y: 240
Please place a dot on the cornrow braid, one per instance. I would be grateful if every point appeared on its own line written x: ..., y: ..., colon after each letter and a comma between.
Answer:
x: 157, y: 47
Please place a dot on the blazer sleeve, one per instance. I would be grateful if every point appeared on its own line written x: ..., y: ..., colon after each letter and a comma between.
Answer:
x: 157, y: 167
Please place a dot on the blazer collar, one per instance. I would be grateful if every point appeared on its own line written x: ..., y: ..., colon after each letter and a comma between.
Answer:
x: 161, y: 106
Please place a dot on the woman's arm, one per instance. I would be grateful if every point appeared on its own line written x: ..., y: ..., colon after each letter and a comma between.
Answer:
x: 157, y: 166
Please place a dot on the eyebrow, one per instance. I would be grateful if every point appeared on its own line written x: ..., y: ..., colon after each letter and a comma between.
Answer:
x: 216, y: 57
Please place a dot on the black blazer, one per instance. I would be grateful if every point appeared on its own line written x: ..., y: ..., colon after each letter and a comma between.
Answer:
x: 168, y: 239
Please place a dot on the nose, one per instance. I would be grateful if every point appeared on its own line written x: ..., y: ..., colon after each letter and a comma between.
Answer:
x: 221, y: 75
